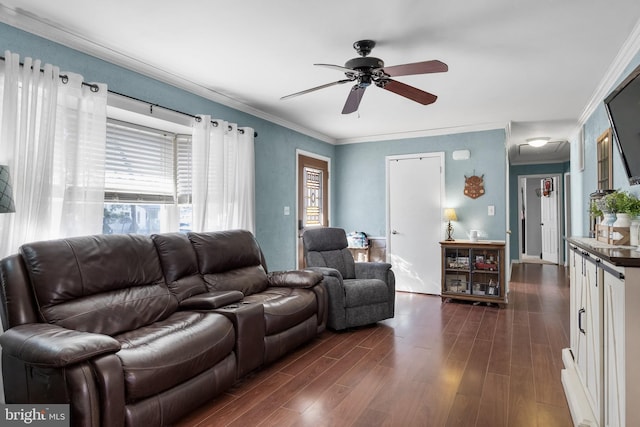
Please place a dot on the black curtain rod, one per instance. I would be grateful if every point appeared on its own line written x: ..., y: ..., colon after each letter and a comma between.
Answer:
x: 96, y: 88
x: 197, y: 118
x: 65, y: 79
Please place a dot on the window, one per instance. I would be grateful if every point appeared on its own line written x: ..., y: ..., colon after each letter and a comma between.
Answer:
x: 313, y: 197
x: 604, y: 150
x: 147, y: 177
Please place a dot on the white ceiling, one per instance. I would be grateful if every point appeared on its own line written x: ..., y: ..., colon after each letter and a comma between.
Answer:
x: 533, y: 67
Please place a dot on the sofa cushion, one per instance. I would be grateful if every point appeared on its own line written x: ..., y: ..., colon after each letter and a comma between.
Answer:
x: 248, y: 280
x: 285, y: 308
x: 179, y: 264
x: 230, y: 261
x: 159, y: 356
x: 360, y: 292
x: 222, y: 251
x: 104, y: 284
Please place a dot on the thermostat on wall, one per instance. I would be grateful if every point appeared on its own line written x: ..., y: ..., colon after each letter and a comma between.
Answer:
x: 461, y: 155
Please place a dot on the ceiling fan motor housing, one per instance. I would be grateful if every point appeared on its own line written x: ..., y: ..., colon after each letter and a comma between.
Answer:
x: 364, y: 63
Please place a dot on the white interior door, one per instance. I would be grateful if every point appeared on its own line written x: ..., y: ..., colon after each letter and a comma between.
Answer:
x: 415, y: 186
x: 549, y: 204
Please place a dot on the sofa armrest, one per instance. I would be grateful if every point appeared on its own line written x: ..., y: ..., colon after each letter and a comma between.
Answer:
x: 210, y: 300
x: 52, y: 346
x: 373, y: 270
x: 295, y: 278
x: 327, y: 272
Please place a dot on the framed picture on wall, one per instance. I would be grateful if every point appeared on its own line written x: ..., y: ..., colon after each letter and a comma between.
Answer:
x: 547, y: 186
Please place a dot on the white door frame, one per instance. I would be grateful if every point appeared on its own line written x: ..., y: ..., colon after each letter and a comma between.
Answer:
x: 299, y: 153
x: 388, y: 160
x: 559, y: 180
x: 567, y: 214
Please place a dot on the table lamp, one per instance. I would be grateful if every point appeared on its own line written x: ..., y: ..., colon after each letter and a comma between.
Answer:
x: 450, y: 215
x: 6, y: 196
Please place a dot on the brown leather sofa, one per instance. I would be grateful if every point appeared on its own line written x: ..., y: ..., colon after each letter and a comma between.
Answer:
x: 136, y: 330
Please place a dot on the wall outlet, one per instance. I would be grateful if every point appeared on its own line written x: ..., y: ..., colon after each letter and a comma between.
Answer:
x: 287, y: 210
x: 492, y: 210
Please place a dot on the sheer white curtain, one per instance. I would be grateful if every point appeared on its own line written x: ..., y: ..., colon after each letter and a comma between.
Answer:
x: 81, y: 129
x: 223, y: 184
x: 52, y: 136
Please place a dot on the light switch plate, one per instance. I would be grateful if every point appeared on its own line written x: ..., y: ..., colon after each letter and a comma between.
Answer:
x: 492, y: 210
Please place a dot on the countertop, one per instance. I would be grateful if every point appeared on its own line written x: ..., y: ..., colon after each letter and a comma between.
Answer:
x: 622, y: 256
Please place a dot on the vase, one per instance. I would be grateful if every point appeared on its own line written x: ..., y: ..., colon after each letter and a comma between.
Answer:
x: 622, y: 220
x: 608, y: 218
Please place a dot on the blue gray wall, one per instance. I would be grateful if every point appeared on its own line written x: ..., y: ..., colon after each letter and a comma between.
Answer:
x: 358, y: 170
x: 361, y: 178
x: 584, y: 182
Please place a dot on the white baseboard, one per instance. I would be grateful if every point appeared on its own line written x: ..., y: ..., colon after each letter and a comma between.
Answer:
x: 576, y: 398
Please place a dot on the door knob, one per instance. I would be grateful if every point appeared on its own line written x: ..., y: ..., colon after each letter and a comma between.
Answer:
x: 394, y: 232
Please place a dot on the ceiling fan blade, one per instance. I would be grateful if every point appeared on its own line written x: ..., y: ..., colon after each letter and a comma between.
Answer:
x: 341, y: 68
x: 424, y: 67
x: 313, y: 89
x: 409, y: 92
x: 353, y: 100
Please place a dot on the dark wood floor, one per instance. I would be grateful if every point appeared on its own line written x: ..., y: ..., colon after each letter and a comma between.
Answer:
x: 434, y: 364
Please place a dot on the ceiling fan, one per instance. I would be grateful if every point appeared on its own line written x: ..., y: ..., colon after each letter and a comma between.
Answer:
x: 367, y: 70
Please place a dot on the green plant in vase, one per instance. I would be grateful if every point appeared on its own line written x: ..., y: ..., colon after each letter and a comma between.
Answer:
x: 624, y: 204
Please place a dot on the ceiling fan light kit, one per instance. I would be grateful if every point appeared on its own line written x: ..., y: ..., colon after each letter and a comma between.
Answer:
x: 538, y: 142
x: 367, y: 70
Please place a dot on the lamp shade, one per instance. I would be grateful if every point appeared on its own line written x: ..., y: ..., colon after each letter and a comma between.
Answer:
x: 450, y: 214
x: 6, y: 194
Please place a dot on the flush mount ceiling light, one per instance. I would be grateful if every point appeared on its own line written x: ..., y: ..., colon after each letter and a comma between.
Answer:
x: 538, y: 142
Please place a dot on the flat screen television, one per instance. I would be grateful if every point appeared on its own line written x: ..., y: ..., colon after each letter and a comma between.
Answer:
x: 623, y: 109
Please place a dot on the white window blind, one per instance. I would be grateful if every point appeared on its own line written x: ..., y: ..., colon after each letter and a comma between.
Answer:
x: 183, y: 168
x: 140, y: 165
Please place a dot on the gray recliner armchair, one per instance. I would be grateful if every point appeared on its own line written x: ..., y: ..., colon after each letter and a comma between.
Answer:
x: 360, y: 293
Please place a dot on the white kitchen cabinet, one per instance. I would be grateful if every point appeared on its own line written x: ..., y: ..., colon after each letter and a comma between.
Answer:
x: 586, y: 332
x: 601, y: 378
x: 614, y: 381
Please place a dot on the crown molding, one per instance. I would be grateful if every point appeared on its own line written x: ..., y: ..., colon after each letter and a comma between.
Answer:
x: 423, y: 133
x: 625, y: 55
x: 33, y: 24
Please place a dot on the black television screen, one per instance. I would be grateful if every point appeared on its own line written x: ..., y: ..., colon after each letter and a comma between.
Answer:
x: 623, y: 108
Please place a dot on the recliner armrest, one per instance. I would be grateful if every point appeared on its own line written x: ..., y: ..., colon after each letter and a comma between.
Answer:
x: 327, y: 271
x: 52, y: 346
x: 295, y: 278
x: 210, y: 300
x: 372, y: 270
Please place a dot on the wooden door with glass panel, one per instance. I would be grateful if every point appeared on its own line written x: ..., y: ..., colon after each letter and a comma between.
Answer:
x: 313, y: 200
